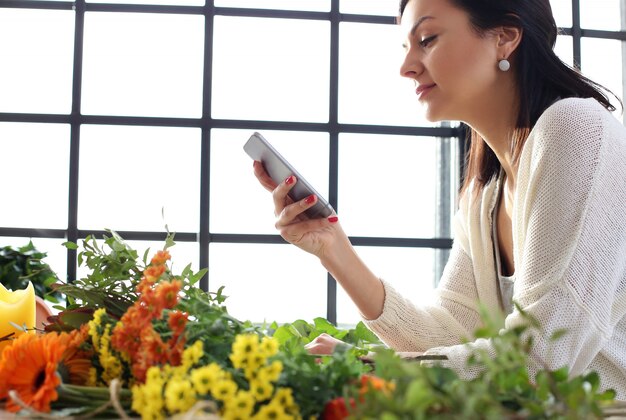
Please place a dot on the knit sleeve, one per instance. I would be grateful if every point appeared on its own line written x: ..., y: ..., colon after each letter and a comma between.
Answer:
x: 451, y: 317
x: 569, y: 237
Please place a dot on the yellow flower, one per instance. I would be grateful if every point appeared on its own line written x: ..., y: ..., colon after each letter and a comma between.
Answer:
x: 272, y: 411
x: 269, y: 346
x: 205, y: 377
x: 179, y: 395
x: 111, y: 365
x: 261, y: 390
x: 153, y: 374
x: 240, y: 406
x: 273, y: 370
x: 244, y: 346
x: 148, y: 398
x: 93, y: 377
x: 224, y: 390
x: 94, y: 325
x: 192, y: 354
x: 284, y: 397
x: 139, y: 400
x: 153, y: 393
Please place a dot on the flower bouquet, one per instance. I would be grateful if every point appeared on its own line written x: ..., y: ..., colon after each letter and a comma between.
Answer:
x: 136, y: 340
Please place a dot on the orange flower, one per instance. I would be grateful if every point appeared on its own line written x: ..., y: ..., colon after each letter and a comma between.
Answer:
x: 167, y: 293
x: 77, y: 362
x: 375, y: 383
x: 160, y: 257
x: 153, y: 272
x: 30, y: 367
x: 135, y: 334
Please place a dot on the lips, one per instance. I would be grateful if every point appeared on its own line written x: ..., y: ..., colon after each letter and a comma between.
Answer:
x: 421, y: 90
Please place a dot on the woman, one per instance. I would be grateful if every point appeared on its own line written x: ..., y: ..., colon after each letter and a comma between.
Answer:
x: 542, y: 214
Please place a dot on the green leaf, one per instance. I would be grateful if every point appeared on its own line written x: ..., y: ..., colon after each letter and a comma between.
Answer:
x: 70, y: 245
x: 322, y: 325
x: 75, y: 318
x: 558, y: 334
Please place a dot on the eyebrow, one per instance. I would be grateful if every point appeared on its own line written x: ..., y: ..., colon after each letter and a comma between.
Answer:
x: 419, y: 22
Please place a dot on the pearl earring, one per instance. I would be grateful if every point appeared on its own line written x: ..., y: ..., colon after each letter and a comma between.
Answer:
x: 504, y: 64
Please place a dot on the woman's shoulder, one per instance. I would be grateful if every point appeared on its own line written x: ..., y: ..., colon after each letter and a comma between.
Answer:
x: 574, y: 125
x: 575, y: 113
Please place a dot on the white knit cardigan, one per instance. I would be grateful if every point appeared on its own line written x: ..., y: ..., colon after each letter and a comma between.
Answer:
x: 569, y: 243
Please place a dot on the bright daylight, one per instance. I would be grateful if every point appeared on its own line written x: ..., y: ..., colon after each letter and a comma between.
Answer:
x: 162, y: 249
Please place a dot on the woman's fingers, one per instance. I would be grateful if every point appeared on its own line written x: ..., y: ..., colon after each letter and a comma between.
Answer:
x: 281, y: 199
x: 323, y: 344
x: 265, y: 180
x: 288, y: 213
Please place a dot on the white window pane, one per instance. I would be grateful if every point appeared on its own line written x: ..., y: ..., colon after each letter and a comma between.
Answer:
x: 564, y: 49
x: 131, y: 176
x: 37, y: 54
x: 160, y: 2
x: 310, y: 5
x: 35, y: 174
x: 602, y: 63
x: 268, y: 282
x: 143, y: 64
x: 600, y: 14
x: 56, y: 253
x: 387, y: 185
x: 271, y: 69
x: 562, y: 11
x: 409, y: 270
x: 371, y: 90
x: 239, y: 204
x: 370, y: 7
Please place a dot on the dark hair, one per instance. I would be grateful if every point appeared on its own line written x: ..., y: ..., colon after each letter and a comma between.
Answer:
x: 541, y: 77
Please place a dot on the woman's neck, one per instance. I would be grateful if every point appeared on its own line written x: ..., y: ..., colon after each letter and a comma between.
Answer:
x: 495, y: 122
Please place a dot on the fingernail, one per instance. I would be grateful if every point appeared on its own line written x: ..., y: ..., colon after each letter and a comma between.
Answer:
x: 333, y: 219
x: 289, y: 180
x: 310, y: 199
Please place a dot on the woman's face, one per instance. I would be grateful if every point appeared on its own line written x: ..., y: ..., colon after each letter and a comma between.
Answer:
x: 455, y: 68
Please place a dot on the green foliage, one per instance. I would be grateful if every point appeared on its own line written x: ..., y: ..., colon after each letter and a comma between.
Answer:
x: 501, y: 390
x: 24, y: 264
x: 114, y: 272
x: 315, y: 380
x: 211, y: 323
x: 304, y: 332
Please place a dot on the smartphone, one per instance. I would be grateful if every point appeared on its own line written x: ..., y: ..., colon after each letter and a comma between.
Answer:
x: 277, y: 167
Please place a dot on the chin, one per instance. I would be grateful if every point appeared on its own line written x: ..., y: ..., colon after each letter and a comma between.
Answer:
x: 435, y: 114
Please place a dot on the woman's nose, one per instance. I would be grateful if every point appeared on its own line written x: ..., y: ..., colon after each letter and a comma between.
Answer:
x: 411, y: 66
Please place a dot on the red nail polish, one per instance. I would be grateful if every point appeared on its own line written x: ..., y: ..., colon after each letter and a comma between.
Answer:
x: 333, y: 219
x: 310, y: 199
x: 289, y: 180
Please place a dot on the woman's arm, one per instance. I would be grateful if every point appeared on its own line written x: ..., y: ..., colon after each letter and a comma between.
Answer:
x: 396, y: 320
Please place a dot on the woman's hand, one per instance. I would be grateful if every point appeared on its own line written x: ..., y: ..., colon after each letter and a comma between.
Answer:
x: 324, y: 344
x: 316, y: 236
x: 325, y: 239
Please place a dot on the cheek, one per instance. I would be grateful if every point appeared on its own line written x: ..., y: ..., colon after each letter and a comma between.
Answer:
x: 476, y: 66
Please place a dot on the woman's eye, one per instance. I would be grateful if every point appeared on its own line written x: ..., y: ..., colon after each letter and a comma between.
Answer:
x: 427, y: 41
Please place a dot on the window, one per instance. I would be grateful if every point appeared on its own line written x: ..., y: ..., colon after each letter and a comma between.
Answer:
x: 131, y: 115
